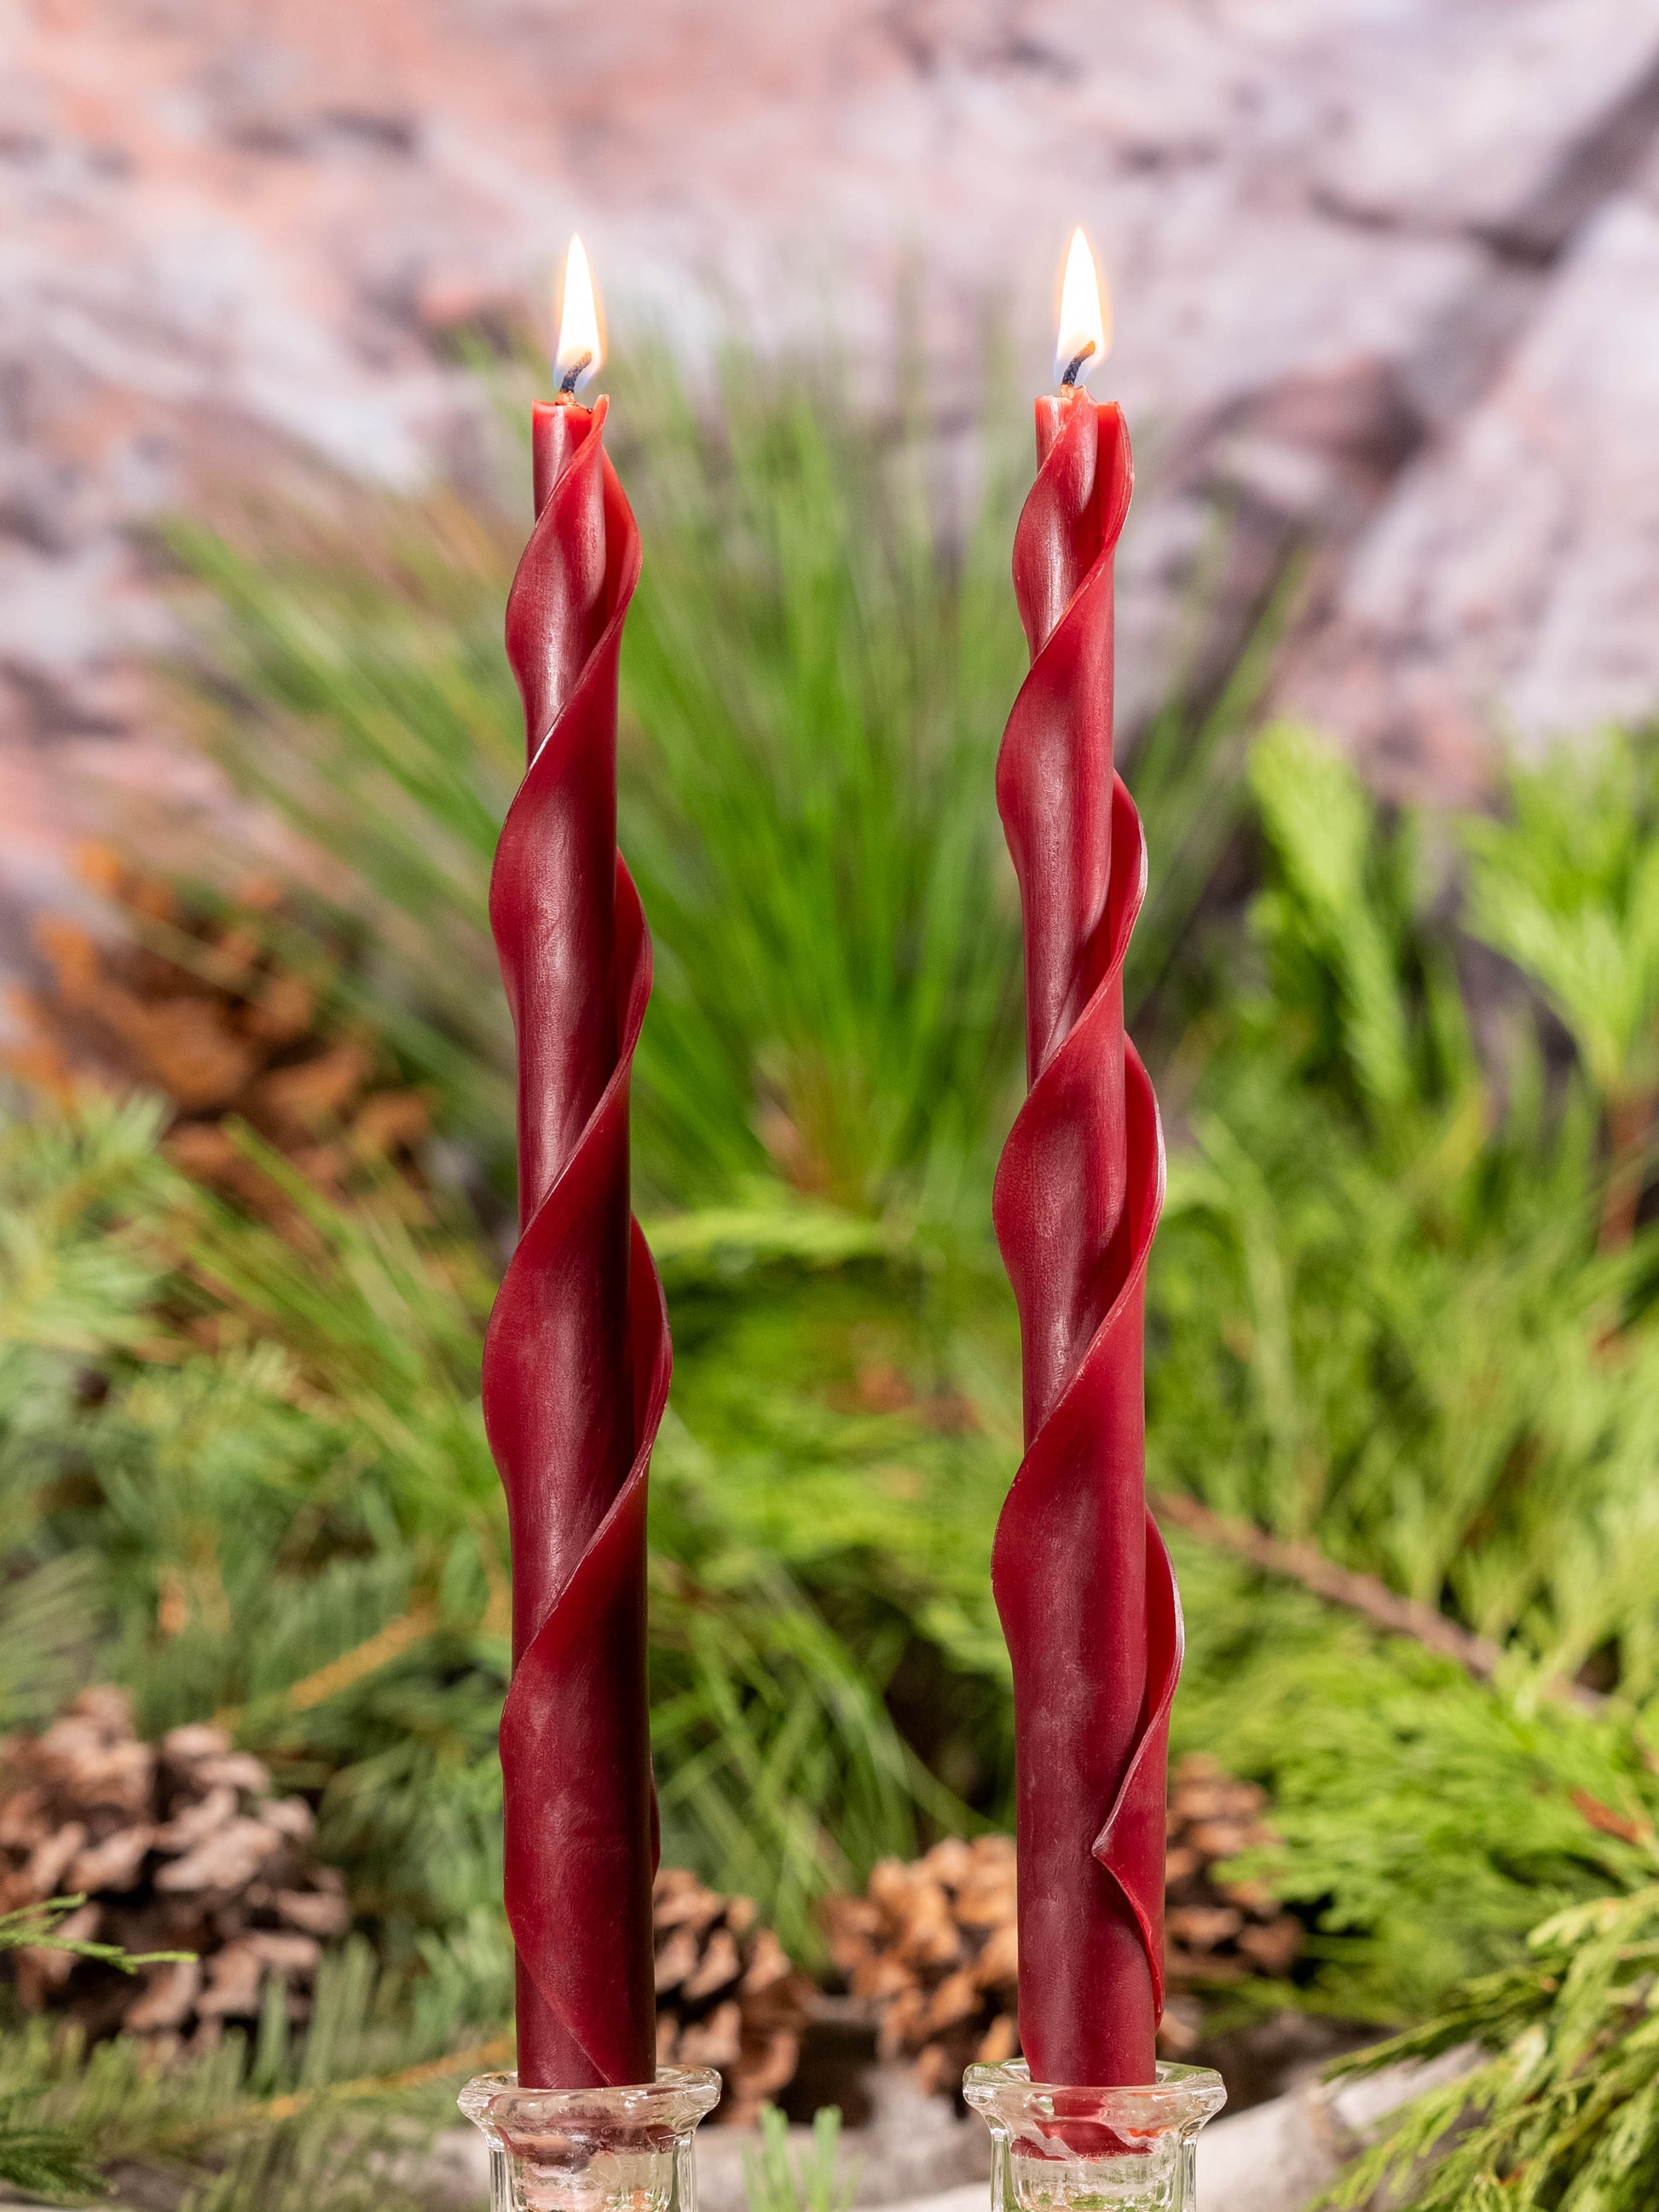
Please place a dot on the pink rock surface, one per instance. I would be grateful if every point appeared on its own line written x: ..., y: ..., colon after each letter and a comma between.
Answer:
x: 1508, y: 586
x: 1383, y: 272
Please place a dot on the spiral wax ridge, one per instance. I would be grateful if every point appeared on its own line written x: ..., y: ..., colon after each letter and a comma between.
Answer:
x: 1083, y: 1583
x: 577, y: 1358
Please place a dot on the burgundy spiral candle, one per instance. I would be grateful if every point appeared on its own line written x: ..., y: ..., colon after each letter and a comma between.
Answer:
x: 576, y: 1360
x: 1083, y: 1584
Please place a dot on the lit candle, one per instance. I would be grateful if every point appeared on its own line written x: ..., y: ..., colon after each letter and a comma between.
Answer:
x: 576, y: 1361
x: 1083, y: 1583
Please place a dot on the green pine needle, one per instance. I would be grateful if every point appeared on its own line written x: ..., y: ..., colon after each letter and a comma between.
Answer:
x: 815, y: 2180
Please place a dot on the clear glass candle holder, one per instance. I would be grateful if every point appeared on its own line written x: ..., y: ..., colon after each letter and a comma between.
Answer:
x: 592, y: 2150
x: 1094, y: 2150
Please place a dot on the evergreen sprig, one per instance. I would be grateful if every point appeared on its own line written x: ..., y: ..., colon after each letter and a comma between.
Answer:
x: 49, y: 2161
x: 52, y: 2163
x: 40, y: 1927
x: 317, y: 2121
x: 1425, y: 1821
x: 1563, y: 2115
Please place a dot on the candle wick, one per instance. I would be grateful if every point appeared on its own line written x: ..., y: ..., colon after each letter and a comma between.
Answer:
x: 573, y: 376
x: 1076, y: 363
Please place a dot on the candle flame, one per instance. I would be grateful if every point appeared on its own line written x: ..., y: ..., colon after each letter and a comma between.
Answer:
x: 581, y: 349
x: 1085, y: 316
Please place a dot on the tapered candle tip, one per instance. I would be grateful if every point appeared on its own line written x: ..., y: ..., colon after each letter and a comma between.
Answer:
x: 581, y: 349
x: 1085, y: 316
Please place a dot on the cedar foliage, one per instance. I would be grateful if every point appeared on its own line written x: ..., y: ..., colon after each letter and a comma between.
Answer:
x: 1383, y: 1315
x: 1562, y: 2114
x: 1422, y: 1818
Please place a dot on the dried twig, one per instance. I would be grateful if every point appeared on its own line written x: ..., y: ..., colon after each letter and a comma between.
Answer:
x: 1362, y: 1594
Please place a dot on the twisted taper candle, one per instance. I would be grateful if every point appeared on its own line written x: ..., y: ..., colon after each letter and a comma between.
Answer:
x: 576, y: 1360
x: 1081, y: 1580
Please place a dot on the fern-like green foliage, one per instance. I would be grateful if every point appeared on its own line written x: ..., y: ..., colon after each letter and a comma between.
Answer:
x: 284, y: 1460
x: 1562, y: 2115
x: 1425, y: 1821
x: 1567, y: 887
x: 73, y: 1277
x: 1380, y: 1316
x: 1331, y: 918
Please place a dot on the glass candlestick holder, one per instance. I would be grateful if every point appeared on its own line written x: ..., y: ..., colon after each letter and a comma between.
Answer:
x: 1094, y: 2150
x: 592, y: 2150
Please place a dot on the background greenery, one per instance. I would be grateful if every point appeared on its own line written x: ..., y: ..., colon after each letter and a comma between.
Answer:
x: 1402, y: 1302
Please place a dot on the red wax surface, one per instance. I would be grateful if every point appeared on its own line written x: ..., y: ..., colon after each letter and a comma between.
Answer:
x: 576, y: 1360
x: 1083, y: 1583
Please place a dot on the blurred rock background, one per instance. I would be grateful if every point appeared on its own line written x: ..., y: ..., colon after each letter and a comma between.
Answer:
x: 1387, y: 274
x: 1383, y: 314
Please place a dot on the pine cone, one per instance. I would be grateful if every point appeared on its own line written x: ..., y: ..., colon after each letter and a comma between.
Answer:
x: 726, y: 1994
x: 1214, y: 1931
x: 177, y: 1846
x: 197, y: 1004
x: 932, y: 1947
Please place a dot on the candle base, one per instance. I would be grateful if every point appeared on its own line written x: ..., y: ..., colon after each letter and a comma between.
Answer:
x: 592, y: 2150
x: 1094, y: 2150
